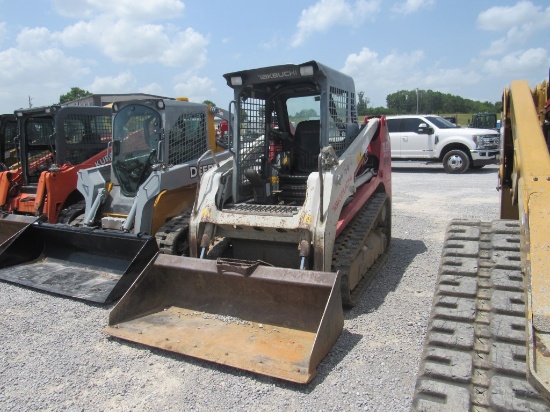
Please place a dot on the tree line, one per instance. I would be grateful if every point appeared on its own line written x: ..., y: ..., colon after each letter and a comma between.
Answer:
x: 424, y: 101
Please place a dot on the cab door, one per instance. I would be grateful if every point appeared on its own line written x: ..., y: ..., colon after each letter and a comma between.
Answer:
x: 395, y: 138
x: 415, y: 138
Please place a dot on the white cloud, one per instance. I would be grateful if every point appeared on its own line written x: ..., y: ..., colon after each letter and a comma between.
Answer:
x: 133, y: 10
x: 411, y: 6
x: 519, y: 64
x: 196, y: 89
x: 46, y: 73
x: 378, y: 76
x: 37, y: 38
x: 502, y: 18
x: 521, y: 21
x: 327, y: 13
x: 450, y: 79
x: 153, y: 88
x: 128, y: 43
x: 122, y: 83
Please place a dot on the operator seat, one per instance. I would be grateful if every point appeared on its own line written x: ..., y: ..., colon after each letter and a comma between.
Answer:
x: 303, y: 155
x: 305, y: 146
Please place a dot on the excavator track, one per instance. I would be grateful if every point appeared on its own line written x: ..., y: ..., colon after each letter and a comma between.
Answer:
x: 172, y: 236
x: 349, y: 245
x: 474, y: 353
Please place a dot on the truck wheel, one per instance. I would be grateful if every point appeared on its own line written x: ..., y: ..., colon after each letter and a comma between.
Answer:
x: 456, y: 161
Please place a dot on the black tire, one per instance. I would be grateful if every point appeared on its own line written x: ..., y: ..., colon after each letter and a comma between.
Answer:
x: 456, y: 161
x: 71, y: 212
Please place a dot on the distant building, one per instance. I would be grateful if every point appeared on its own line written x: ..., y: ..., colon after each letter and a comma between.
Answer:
x: 104, y: 99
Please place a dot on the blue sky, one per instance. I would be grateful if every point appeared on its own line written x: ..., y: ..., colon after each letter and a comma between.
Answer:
x: 470, y: 48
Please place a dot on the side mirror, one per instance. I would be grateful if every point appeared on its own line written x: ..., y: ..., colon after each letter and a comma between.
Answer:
x: 423, y: 128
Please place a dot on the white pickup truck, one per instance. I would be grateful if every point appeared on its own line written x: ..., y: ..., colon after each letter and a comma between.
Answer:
x: 432, y: 138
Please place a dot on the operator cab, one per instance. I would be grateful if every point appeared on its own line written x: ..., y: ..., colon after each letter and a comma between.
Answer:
x: 285, y: 115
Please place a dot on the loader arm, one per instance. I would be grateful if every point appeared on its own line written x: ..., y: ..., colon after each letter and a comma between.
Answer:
x: 530, y: 179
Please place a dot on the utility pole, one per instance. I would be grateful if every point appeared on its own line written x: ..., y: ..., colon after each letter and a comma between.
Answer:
x: 417, y: 100
x: 30, y: 102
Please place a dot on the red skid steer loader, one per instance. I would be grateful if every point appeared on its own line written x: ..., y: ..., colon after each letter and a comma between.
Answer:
x: 296, y: 223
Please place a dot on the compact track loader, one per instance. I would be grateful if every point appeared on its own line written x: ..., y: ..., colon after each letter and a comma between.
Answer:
x: 52, y: 144
x: 293, y: 225
x: 488, y: 342
x: 139, y: 206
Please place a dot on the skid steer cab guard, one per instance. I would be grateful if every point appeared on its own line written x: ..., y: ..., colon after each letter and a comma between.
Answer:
x: 261, y: 319
x: 83, y: 263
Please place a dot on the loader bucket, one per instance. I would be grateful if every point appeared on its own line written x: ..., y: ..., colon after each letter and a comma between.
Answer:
x: 11, y: 225
x: 273, y: 321
x: 88, y: 264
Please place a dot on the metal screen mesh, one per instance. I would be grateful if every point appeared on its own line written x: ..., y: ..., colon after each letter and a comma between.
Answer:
x: 39, y: 133
x: 10, y: 146
x: 86, y: 135
x: 187, y: 138
x: 252, y: 142
x: 338, y: 119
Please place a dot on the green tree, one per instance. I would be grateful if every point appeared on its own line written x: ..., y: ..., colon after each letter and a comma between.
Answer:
x: 209, y: 103
x: 362, y: 104
x: 306, y: 114
x: 429, y: 101
x: 73, y: 94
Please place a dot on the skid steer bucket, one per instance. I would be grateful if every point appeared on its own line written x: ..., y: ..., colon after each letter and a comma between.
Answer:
x: 273, y: 321
x: 83, y: 263
x: 11, y: 225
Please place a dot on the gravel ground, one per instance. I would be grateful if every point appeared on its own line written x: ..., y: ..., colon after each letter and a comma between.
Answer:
x: 55, y: 356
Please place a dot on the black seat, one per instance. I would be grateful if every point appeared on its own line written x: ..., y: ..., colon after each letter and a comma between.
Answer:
x: 304, y: 154
x: 305, y: 146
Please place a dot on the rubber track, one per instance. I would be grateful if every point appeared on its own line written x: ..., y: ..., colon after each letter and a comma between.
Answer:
x: 169, y: 233
x: 474, y: 353
x: 352, y: 239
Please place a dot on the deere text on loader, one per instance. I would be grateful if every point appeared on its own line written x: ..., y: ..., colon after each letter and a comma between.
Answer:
x: 148, y: 191
x: 295, y: 222
x: 488, y: 342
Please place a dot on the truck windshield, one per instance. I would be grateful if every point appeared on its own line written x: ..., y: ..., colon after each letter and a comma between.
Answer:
x: 440, y: 122
x: 136, y: 131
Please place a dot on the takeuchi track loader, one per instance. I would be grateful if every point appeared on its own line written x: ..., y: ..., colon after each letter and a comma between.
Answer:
x: 137, y: 206
x: 488, y: 341
x: 52, y: 144
x: 282, y: 234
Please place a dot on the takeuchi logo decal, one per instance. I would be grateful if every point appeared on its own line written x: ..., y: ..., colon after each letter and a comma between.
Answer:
x: 277, y: 75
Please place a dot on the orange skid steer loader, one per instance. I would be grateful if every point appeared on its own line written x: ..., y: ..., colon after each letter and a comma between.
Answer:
x: 53, y: 143
x: 282, y: 234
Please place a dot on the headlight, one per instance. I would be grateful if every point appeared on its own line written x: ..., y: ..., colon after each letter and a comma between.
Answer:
x: 488, y: 141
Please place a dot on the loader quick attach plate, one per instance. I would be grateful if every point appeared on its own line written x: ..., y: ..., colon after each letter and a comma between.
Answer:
x: 274, y: 321
x: 88, y: 264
